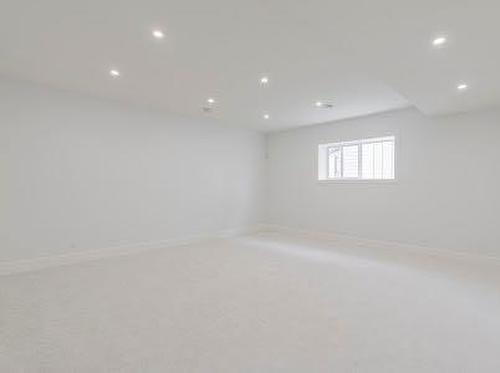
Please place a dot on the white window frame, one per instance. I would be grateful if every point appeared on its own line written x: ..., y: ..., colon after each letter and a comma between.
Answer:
x: 324, y: 160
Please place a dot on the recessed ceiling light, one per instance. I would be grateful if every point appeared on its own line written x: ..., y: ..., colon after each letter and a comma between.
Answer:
x: 439, y: 41
x: 323, y: 105
x: 462, y: 87
x: 211, y: 101
x: 264, y: 80
x: 266, y: 116
x: 114, y: 73
x: 158, y: 34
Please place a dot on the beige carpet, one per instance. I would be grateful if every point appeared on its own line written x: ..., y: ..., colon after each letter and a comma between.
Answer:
x: 263, y: 303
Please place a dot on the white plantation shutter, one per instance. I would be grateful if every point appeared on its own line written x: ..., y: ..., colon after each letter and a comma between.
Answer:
x: 368, y: 168
x: 388, y: 160
x: 350, y: 161
x: 365, y: 159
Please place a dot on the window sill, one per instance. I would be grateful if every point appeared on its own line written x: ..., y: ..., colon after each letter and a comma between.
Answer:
x: 356, y: 181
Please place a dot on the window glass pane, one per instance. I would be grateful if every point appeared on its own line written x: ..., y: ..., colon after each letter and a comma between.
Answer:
x: 377, y: 160
x: 334, y: 162
x: 388, y: 160
x: 367, y: 161
x: 350, y: 161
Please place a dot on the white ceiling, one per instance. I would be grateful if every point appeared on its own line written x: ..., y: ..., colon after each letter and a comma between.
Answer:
x: 364, y: 56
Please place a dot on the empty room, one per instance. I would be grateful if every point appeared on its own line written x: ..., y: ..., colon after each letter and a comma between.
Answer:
x: 249, y: 186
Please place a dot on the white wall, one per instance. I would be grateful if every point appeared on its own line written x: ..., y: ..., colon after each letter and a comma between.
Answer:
x: 447, y: 193
x: 79, y: 173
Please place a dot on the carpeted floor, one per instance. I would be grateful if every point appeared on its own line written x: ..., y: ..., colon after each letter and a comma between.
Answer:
x: 262, y: 303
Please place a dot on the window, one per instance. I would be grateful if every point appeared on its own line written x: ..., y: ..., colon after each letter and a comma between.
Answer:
x: 366, y: 159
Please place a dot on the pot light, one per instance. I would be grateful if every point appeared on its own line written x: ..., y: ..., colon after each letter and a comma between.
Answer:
x: 439, y: 41
x: 114, y: 73
x: 266, y: 116
x: 323, y: 105
x: 158, y: 34
x: 264, y: 80
x: 211, y: 101
x: 462, y: 87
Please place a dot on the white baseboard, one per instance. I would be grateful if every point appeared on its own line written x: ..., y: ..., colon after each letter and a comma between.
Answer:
x: 442, y: 252
x: 28, y: 265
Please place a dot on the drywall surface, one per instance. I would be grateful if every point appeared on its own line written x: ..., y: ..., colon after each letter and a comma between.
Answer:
x: 446, y: 194
x: 79, y: 173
